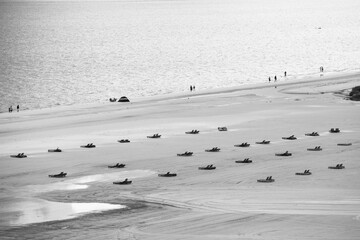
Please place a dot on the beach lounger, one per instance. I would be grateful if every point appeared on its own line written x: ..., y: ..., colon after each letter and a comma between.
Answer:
x: 185, y: 154
x: 89, y: 145
x: 263, y: 142
x: 334, y: 130
x: 267, y: 180
x: 245, y: 144
x: 317, y: 148
x: 208, y: 167
x: 214, y: 149
x: 55, y: 150
x: 193, y: 132
x: 344, y: 144
x: 125, y: 182
x: 124, y: 141
x: 313, y: 134
x: 285, y: 154
x: 306, y: 172
x: 246, y: 160
x: 117, y: 166
x: 338, y: 166
x: 292, y: 137
x: 168, y: 174
x: 222, y: 129
x: 156, y: 135
x: 19, y: 155
x: 60, y: 175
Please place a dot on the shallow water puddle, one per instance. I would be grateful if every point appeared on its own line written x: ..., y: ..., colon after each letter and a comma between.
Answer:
x: 21, y: 211
x: 27, y: 209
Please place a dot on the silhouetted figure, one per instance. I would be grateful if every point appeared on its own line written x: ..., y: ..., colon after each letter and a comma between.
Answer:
x: 10, y: 109
x: 321, y: 69
x: 275, y: 79
x: 17, y: 107
x: 285, y: 74
x: 194, y: 88
x: 191, y: 88
x: 269, y: 79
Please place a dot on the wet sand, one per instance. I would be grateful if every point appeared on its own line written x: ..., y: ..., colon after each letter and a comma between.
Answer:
x: 226, y: 203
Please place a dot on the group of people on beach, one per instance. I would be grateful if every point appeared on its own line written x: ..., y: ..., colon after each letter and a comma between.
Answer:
x: 11, y: 108
x: 285, y: 73
x: 275, y: 78
x: 192, y: 88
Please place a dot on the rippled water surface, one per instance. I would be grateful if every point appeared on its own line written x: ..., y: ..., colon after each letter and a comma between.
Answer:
x: 59, y: 53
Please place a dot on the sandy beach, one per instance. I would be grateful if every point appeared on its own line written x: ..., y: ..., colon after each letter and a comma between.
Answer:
x: 225, y: 203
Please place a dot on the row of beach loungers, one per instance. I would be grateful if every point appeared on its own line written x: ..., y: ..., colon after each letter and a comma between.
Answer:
x: 208, y: 167
x: 188, y: 154
x: 269, y: 179
x: 194, y: 131
x: 214, y: 149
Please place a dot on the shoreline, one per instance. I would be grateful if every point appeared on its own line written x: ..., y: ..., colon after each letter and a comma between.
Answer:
x: 296, y: 79
x: 195, y: 201
x: 199, y: 93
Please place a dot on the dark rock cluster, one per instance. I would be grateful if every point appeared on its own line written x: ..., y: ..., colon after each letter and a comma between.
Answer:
x: 354, y: 95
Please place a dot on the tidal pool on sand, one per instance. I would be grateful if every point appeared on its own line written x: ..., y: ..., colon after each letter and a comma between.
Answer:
x: 23, y: 211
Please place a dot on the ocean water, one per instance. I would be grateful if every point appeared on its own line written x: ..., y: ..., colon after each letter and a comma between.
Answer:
x: 63, y: 53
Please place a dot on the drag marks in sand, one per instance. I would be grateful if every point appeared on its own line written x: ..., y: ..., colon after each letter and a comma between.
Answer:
x: 226, y: 201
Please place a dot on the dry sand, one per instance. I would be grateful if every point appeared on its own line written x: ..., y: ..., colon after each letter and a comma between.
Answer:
x: 226, y: 203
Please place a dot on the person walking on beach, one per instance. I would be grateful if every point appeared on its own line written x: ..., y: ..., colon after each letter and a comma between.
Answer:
x: 10, y: 109
x: 269, y: 79
x: 285, y: 74
x: 17, y: 107
x: 275, y: 79
x: 191, y: 88
x: 194, y: 88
